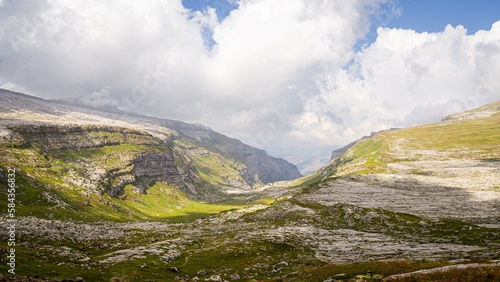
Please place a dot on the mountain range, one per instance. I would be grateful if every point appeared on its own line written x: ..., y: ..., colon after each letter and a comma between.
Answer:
x: 73, y: 156
x: 113, y: 197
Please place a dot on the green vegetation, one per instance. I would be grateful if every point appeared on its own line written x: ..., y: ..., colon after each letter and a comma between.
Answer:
x: 51, y: 183
x: 352, y: 270
x: 217, y: 170
x: 163, y: 202
x: 212, y: 167
x: 285, y: 242
x: 476, y: 138
x: 467, y: 139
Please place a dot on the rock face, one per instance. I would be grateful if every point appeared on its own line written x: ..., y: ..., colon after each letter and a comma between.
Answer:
x: 52, y: 137
x: 104, y: 152
x: 260, y: 167
x: 154, y: 164
x: 83, y: 147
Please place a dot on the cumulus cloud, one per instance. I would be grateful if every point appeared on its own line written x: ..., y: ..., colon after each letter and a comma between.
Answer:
x: 406, y: 78
x: 54, y: 47
x: 280, y: 75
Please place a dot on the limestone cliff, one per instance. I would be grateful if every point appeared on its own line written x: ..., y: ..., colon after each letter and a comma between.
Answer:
x: 260, y: 167
x: 60, y: 146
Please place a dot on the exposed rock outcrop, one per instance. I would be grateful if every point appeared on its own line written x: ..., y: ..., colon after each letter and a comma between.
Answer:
x: 260, y: 167
x: 104, y: 152
x: 53, y: 137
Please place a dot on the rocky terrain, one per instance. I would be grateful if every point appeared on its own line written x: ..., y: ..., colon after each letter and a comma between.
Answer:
x: 401, y: 204
x: 77, y: 157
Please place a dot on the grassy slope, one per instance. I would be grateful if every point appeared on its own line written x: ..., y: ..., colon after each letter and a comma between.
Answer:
x: 212, y: 167
x: 44, y: 190
x: 475, y: 139
x: 467, y: 139
x: 470, y: 139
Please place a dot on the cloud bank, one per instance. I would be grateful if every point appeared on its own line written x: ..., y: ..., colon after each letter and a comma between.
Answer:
x: 285, y: 76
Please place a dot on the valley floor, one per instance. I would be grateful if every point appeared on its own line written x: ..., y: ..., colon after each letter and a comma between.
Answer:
x: 349, y: 225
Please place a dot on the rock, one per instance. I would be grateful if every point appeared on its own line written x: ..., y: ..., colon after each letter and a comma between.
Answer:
x: 216, y: 278
x: 377, y: 277
x: 79, y: 279
x: 261, y: 167
x: 6, y: 135
x: 282, y: 263
x: 115, y: 279
x: 174, y: 269
x: 202, y: 272
x: 235, y: 276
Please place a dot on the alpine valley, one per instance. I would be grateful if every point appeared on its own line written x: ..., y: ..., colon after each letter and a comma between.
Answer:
x: 104, y: 196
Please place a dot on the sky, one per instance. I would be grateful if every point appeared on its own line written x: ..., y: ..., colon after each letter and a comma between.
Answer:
x: 294, y: 77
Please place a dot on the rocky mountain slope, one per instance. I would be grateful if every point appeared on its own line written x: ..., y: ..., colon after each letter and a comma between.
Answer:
x: 71, y: 157
x: 421, y: 198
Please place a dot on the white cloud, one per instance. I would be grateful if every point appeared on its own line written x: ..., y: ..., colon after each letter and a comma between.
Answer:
x: 56, y: 47
x: 404, y: 78
x: 276, y: 76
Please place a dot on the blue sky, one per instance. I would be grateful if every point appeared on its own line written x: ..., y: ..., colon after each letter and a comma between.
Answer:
x: 222, y: 7
x: 434, y: 15
x: 418, y: 15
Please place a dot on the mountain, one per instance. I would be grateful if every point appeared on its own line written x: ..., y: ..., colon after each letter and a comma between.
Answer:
x: 414, y: 204
x: 339, y: 152
x: 485, y: 111
x: 68, y: 156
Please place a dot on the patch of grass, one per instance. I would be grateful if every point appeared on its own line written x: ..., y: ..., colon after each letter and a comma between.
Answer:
x: 213, y: 167
x: 197, y: 210
x: 217, y: 170
x: 463, y: 139
x: 385, y: 269
x: 369, y: 153
x: 110, y: 156
x: 263, y: 201
x: 165, y: 203
x: 479, y: 134
x: 257, y: 259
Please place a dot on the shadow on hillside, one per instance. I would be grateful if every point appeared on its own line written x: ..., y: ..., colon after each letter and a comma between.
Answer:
x: 407, y: 195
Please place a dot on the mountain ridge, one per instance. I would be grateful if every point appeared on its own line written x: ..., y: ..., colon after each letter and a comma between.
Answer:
x: 423, y: 197
x: 74, y: 151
